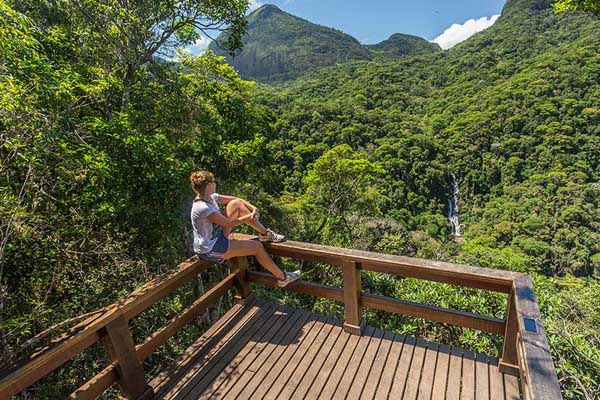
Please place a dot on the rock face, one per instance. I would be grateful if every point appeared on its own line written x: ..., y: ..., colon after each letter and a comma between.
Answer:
x: 280, y: 46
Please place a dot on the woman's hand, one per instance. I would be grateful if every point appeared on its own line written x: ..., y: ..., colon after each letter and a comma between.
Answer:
x: 254, y: 214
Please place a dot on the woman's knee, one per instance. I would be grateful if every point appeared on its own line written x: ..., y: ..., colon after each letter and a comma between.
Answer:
x: 234, y: 205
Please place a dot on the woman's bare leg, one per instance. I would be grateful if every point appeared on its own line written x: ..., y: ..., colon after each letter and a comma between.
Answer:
x: 236, y: 209
x: 238, y: 248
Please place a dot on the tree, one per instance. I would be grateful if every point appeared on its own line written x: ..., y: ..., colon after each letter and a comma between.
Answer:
x: 129, y: 34
x: 590, y: 6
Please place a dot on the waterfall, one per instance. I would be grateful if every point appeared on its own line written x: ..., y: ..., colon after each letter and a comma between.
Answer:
x: 453, y: 208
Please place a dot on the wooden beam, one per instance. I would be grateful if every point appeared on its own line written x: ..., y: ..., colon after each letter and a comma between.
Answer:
x: 538, y: 376
x: 97, y: 385
x: 159, y: 337
x: 119, y: 346
x: 352, y: 287
x: 454, y: 274
x: 299, y: 286
x: 433, y: 313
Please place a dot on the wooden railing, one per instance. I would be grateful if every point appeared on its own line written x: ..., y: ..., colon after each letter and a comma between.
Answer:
x: 525, y: 350
x: 110, y: 326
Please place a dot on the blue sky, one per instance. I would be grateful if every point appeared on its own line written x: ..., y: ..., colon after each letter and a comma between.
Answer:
x: 372, y: 22
x: 445, y: 22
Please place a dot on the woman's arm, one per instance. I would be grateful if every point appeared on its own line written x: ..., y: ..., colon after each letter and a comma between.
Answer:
x: 220, y: 219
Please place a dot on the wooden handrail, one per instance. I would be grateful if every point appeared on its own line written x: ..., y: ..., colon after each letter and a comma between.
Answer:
x: 110, y: 326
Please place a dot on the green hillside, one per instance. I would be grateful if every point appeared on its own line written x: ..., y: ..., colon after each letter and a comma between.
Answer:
x: 281, y: 46
x: 401, y: 45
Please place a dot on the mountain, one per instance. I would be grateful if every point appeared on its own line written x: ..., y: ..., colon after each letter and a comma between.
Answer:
x: 280, y: 46
x: 400, y: 45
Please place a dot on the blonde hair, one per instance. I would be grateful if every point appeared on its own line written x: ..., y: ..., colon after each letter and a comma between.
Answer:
x: 200, y: 179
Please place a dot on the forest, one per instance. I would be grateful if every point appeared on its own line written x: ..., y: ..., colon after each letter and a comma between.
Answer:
x: 99, y: 132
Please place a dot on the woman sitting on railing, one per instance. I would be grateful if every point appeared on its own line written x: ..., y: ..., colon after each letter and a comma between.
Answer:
x: 212, y: 228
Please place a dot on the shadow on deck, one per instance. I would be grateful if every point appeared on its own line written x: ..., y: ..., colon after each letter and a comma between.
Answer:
x: 266, y: 351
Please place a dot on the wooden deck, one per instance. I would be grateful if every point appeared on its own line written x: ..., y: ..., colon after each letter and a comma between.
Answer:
x: 274, y: 352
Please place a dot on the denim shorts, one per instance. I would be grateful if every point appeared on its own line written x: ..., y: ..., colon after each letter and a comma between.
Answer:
x: 218, y: 251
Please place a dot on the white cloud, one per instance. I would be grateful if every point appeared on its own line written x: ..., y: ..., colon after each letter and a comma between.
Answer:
x: 457, y: 32
x: 254, y: 4
x: 199, y: 47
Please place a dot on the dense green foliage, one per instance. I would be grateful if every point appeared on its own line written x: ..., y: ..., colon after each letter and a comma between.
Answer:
x: 591, y: 6
x: 279, y: 46
x: 400, y: 45
x: 97, y: 141
x: 511, y: 114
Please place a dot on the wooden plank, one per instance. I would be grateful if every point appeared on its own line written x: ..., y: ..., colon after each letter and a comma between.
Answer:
x: 416, y: 367
x: 402, y: 368
x: 163, y: 334
x: 229, y: 368
x: 228, y: 321
x: 329, y: 367
x: 213, y: 365
x: 482, y: 384
x: 433, y: 313
x: 339, y: 368
x: 441, y: 373
x: 387, y: 377
x: 454, y: 374
x: 538, y: 376
x: 263, y: 364
x: 252, y: 355
x: 372, y: 381
x: 314, y: 368
x: 360, y: 378
x: 270, y: 375
x: 352, y: 308
x: 301, y: 368
x: 467, y: 390
x: 130, y: 306
x: 462, y: 275
x: 185, y: 372
x: 426, y: 383
x: 309, y: 288
x: 351, y: 367
x: 511, y: 387
x: 320, y: 330
x: 97, y: 385
x: 496, y: 381
x: 119, y: 346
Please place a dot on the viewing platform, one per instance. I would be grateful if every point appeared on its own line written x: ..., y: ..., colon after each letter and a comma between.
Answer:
x: 258, y: 349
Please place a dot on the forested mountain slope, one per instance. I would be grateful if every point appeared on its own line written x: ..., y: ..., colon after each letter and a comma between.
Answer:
x: 279, y: 46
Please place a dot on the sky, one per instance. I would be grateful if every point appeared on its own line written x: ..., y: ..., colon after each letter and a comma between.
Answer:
x: 445, y: 22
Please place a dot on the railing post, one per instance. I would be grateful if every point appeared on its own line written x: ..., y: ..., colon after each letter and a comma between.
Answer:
x: 121, y: 349
x: 240, y: 265
x: 352, y: 307
x: 509, y: 363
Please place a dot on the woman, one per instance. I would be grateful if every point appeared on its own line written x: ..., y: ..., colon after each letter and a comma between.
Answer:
x: 212, y: 229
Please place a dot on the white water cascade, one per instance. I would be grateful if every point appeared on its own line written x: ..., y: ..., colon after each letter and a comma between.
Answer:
x: 453, y: 209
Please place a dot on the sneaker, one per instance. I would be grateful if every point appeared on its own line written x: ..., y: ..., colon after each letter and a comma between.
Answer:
x: 289, y: 278
x: 271, y: 236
